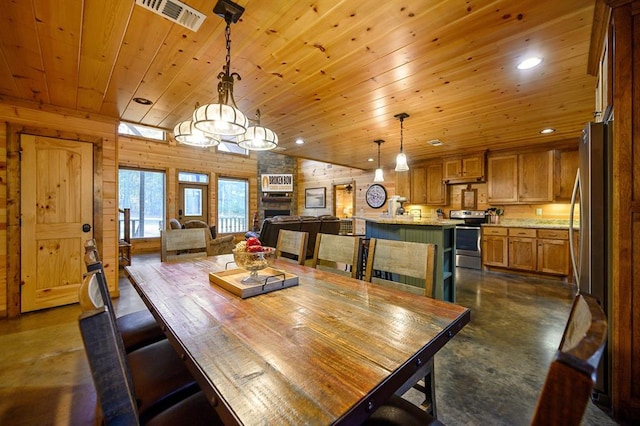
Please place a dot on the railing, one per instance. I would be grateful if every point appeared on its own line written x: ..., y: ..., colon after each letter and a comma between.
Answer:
x: 124, y: 225
x: 232, y: 224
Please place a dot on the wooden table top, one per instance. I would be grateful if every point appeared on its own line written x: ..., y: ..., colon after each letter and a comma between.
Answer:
x: 329, y: 350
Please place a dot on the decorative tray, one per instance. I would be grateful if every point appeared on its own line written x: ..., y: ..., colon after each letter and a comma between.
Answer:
x: 270, y: 280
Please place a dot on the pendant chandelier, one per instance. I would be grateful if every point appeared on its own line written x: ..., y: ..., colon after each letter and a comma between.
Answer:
x: 186, y: 133
x: 378, y: 177
x: 401, y: 159
x: 223, y: 120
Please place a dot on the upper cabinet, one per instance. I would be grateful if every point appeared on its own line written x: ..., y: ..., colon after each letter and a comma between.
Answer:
x: 426, y: 185
x: 566, y: 167
x: 436, y: 188
x: 403, y: 185
x: 418, y: 184
x: 462, y: 169
x: 521, y: 178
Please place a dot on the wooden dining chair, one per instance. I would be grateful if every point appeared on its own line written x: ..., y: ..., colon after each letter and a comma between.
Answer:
x: 159, y: 376
x: 332, y: 251
x: 394, y: 258
x: 183, y: 243
x: 573, y: 371
x: 115, y: 381
x: 138, y: 328
x: 292, y: 245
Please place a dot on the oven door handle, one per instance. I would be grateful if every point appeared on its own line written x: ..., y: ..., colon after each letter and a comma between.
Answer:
x: 467, y: 227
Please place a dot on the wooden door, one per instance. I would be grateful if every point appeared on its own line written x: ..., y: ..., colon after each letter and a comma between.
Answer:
x: 522, y: 253
x: 418, y: 185
x: 502, y: 179
x: 436, y: 188
x: 535, y: 177
x: 194, y: 202
x: 56, y: 204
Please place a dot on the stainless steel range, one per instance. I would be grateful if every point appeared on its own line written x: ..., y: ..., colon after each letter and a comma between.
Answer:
x: 468, y: 252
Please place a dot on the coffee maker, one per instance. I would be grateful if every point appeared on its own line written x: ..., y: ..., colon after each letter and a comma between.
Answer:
x: 395, y: 205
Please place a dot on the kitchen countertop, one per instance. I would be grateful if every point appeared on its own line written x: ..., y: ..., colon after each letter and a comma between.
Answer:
x: 409, y: 220
x: 534, y: 223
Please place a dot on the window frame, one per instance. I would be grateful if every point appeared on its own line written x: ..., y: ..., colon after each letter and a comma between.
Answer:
x: 162, y: 219
x: 219, y: 202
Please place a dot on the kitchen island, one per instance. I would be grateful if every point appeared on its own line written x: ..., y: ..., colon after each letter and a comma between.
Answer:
x: 440, y: 232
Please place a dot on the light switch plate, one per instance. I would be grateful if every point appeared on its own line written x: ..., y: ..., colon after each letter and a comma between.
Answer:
x: 538, y: 212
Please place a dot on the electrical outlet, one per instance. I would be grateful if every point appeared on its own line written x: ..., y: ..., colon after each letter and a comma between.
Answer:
x: 538, y: 212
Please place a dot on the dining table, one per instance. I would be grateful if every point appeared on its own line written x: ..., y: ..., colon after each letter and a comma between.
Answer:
x: 329, y: 350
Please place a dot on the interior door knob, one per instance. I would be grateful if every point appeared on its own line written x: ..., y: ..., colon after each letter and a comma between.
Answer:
x: 86, y: 227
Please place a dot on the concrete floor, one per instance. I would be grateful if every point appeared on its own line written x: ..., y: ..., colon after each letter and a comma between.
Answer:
x: 489, y: 374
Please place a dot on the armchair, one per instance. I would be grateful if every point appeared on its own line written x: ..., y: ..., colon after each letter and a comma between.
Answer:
x: 215, y: 245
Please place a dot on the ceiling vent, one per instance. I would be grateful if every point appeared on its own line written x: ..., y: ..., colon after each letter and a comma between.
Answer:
x: 175, y: 11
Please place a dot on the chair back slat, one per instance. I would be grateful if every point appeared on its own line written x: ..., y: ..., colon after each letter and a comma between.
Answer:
x: 572, y: 373
x: 183, y: 243
x: 336, y: 250
x: 109, y: 369
x: 293, y: 243
x: 410, y: 259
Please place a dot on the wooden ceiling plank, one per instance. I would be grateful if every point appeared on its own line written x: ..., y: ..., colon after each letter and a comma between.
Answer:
x: 103, y: 29
x: 19, y: 42
x: 59, y: 30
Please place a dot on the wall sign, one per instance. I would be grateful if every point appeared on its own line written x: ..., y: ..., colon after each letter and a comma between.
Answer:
x: 277, y: 183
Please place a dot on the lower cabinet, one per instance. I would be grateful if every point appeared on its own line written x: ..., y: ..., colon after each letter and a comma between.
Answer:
x: 544, y: 251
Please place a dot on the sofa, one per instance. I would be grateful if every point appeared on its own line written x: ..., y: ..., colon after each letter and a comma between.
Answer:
x: 215, y: 245
x: 325, y: 224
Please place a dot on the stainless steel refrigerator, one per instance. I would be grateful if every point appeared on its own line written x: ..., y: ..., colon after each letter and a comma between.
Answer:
x: 591, y: 256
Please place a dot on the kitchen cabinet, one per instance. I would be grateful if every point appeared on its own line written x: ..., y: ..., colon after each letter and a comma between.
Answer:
x: 461, y: 169
x: 543, y: 251
x: 566, y: 167
x: 403, y: 185
x: 524, y: 178
x: 553, y: 252
x: 522, y: 249
x: 418, y: 184
x: 436, y: 188
x: 495, y: 247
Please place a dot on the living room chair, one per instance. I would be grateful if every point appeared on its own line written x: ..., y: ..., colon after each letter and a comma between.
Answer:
x: 115, y: 382
x: 292, y: 244
x: 573, y: 371
x: 417, y: 260
x: 331, y: 251
x: 137, y: 329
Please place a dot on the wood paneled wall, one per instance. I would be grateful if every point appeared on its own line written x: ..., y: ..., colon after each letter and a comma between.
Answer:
x: 172, y: 158
x: 19, y: 117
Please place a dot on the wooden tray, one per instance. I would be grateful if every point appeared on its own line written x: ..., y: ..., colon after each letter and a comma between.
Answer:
x: 274, y: 279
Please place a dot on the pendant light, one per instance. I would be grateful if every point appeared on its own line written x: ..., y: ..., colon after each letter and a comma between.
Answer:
x: 401, y: 159
x: 212, y: 123
x: 378, y: 177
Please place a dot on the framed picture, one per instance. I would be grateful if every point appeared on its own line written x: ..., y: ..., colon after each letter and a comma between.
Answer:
x: 469, y: 199
x: 314, y: 198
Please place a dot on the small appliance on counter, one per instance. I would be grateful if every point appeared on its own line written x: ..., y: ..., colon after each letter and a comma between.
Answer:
x: 395, y: 205
x: 468, y: 252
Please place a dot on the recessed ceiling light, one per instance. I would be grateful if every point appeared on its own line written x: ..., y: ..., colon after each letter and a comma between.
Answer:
x: 370, y: 159
x: 435, y: 142
x: 142, y: 101
x: 547, y: 130
x: 529, y: 63
x: 299, y: 141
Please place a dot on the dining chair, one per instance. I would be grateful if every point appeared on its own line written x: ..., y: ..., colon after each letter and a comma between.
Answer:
x: 573, y: 371
x: 292, y: 244
x: 115, y: 381
x: 159, y: 377
x: 393, y: 258
x: 183, y: 243
x: 332, y: 251
x: 137, y: 329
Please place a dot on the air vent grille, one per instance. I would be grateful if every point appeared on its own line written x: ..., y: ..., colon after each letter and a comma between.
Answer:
x: 175, y: 11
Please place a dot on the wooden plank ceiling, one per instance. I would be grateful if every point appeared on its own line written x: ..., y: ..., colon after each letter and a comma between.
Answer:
x: 331, y: 72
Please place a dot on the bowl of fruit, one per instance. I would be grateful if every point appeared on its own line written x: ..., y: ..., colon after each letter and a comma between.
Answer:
x: 252, y: 256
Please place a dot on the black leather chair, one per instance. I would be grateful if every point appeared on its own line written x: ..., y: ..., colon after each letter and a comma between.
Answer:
x: 137, y: 329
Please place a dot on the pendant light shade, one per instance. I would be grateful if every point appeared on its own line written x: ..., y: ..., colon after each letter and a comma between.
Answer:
x: 258, y: 138
x: 401, y: 159
x: 186, y: 133
x: 220, y: 119
x: 378, y: 177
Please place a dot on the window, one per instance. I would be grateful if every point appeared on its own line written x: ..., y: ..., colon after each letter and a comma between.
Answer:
x: 233, y: 205
x: 140, y: 131
x: 193, y: 177
x: 142, y: 192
